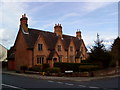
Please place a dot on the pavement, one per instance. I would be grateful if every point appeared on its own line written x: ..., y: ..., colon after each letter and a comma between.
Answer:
x: 59, y: 78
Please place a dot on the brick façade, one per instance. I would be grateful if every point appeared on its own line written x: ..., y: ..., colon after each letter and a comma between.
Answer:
x: 73, y: 49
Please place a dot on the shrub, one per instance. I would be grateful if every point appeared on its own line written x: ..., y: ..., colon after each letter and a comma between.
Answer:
x: 74, y: 66
x: 88, y: 67
x: 23, y: 68
x: 53, y: 70
x: 45, y: 66
x: 36, y: 68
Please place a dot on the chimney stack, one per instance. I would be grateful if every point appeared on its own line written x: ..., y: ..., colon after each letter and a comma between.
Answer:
x: 78, y: 34
x: 58, y: 29
x: 23, y: 23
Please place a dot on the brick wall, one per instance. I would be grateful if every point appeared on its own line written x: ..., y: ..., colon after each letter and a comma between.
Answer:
x: 23, y: 56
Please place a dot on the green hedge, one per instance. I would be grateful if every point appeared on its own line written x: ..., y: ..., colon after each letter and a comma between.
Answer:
x: 88, y: 67
x: 76, y: 67
x: 53, y: 70
x: 45, y: 66
x: 36, y: 68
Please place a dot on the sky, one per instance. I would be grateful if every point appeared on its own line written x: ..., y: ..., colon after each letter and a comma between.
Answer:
x: 88, y: 17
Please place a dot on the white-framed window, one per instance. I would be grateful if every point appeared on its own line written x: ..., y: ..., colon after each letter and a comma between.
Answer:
x: 40, y: 59
x: 40, y: 47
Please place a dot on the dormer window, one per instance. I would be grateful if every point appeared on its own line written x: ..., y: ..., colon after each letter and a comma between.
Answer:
x: 59, y: 47
x: 40, y: 47
x: 71, y: 48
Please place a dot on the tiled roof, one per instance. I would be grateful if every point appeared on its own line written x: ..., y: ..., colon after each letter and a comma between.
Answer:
x: 78, y: 54
x: 51, y: 55
x: 50, y: 39
x: 11, y: 54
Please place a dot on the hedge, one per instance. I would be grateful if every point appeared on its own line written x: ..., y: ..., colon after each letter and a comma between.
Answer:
x: 76, y: 67
x: 53, y: 70
x: 36, y: 68
x: 45, y: 66
x: 23, y: 68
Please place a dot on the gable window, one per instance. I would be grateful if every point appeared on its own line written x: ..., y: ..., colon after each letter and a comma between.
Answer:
x: 40, y: 47
x: 59, y: 47
x: 60, y: 58
x: 71, y: 48
x: 40, y: 60
x: 72, y: 59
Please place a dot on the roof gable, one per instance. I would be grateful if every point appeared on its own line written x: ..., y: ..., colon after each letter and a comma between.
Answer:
x: 51, y: 39
x: 18, y: 36
x: 60, y: 42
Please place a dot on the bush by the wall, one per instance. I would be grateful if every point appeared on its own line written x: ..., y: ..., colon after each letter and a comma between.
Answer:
x: 36, y: 68
x: 23, y: 68
x: 88, y: 67
x: 45, y: 66
x: 53, y: 70
x: 76, y: 67
x: 67, y: 66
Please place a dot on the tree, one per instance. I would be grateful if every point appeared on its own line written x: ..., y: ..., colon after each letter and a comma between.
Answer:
x: 99, y: 54
x: 116, y: 52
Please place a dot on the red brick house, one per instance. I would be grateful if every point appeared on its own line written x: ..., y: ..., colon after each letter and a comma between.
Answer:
x: 34, y: 46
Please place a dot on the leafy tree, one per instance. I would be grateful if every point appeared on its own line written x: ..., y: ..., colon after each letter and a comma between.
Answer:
x: 99, y: 54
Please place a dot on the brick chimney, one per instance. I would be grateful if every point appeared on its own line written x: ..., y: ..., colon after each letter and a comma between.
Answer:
x: 23, y: 23
x: 58, y: 30
x: 78, y: 34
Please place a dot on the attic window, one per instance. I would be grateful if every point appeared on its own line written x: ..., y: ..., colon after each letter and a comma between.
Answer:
x: 59, y: 47
x: 40, y: 47
x: 71, y: 48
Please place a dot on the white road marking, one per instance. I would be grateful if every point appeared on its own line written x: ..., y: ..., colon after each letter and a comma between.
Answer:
x: 81, y: 85
x: 50, y: 81
x: 12, y: 86
x: 93, y: 87
x: 60, y: 82
x: 69, y: 84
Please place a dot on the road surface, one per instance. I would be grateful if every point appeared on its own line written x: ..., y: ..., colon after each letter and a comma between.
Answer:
x: 15, y: 82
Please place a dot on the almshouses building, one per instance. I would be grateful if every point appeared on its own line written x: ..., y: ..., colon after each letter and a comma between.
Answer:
x: 34, y: 46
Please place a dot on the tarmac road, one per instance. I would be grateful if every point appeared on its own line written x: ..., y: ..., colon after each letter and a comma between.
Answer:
x: 15, y: 82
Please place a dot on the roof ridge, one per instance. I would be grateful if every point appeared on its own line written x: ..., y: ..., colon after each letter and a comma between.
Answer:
x: 39, y: 30
x: 50, y: 32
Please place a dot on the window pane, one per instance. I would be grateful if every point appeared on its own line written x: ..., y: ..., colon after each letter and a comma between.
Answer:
x: 41, y: 60
x: 40, y: 47
x: 59, y: 47
x: 37, y: 60
x: 71, y: 48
